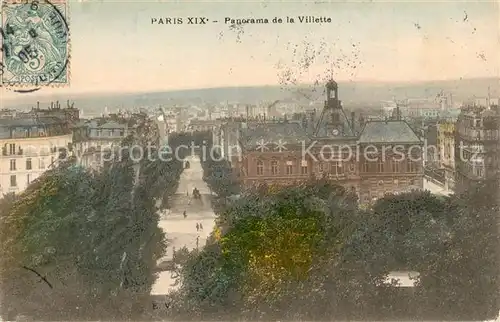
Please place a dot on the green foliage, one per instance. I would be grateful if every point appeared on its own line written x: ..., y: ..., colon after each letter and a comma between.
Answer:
x: 94, y: 235
x: 308, y: 252
x: 270, y: 244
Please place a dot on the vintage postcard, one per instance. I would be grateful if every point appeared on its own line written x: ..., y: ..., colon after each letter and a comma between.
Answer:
x: 249, y: 160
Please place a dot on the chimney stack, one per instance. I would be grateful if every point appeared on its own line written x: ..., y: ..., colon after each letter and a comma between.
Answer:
x: 361, y: 121
x: 38, y: 104
x: 353, y: 118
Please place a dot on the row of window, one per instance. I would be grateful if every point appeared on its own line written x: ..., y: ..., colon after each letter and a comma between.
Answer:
x: 29, y: 164
x: 10, y: 149
x: 275, y: 169
x: 13, y: 180
x: 393, y: 166
x: 337, y: 168
x: 110, y: 132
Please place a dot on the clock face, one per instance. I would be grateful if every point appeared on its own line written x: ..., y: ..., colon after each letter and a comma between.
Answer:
x: 335, y: 132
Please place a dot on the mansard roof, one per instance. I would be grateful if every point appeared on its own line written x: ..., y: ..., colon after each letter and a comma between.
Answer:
x: 393, y: 131
x: 272, y: 133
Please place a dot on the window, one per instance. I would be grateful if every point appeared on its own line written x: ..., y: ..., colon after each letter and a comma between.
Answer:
x: 13, y: 181
x: 303, y: 168
x: 380, y: 165
x: 478, y: 170
x: 274, y: 167
x: 110, y: 132
x: 98, y: 132
x: 29, y: 165
x: 42, y: 163
x: 122, y: 133
x: 12, y: 148
x: 289, y: 167
x: 366, y: 166
x: 260, y: 168
x: 13, y: 165
x: 337, y: 168
x: 411, y: 166
x: 396, y: 166
x: 28, y: 179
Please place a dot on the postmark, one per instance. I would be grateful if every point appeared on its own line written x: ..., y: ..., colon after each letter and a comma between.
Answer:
x: 35, y: 44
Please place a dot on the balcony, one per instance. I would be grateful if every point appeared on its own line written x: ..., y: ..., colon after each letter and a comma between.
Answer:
x: 19, y: 152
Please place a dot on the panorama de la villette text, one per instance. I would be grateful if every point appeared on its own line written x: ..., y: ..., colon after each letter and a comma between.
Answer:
x: 237, y: 21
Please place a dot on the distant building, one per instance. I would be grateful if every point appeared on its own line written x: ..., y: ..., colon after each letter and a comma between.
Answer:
x: 196, y: 125
x: 30, y: 146
x: 477, y: 145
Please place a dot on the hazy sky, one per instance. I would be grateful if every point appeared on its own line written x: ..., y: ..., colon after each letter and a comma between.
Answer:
x: 115, y: 47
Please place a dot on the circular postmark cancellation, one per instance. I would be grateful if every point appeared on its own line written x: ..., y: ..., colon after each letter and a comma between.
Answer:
x: 35, y: 44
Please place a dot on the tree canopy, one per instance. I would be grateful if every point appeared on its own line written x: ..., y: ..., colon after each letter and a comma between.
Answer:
x: 93, y: 236
x: 309, y: 252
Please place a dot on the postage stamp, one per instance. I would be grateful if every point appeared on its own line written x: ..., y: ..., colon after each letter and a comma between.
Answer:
x: 35, y: 43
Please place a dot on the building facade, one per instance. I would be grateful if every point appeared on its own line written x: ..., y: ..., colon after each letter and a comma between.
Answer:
x: 446, y: 149
x: 372, y: 158
x: 477, y: 145
x: 29, y: 148
x: 92, y: 138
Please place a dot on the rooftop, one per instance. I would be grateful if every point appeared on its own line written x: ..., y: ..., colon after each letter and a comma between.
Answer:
x: 289, y: 132
x: 388, y: 132
x: 32, y: 122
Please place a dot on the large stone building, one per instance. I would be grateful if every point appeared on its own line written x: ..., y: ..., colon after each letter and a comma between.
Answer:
x: 372, y: 159
x: 477, y: 147
x: 30, y: 146
x: 91, y: 138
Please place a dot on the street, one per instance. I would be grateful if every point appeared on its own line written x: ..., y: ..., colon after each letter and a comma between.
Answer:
x: 181, y: 231
x: 435, y: 189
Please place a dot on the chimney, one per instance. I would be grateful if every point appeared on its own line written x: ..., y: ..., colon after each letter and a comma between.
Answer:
x: 361, y: 121
x: 38, y: 105
x: 398, y: 112
x: 353, y: 118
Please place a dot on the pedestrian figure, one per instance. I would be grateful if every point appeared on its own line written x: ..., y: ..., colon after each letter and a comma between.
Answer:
x: 185, y: 215
x: 197, y: 227
x: 201, y: 226
x: 197, y: 241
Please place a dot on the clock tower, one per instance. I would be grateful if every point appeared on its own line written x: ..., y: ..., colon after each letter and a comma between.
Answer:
x: 333, y: 122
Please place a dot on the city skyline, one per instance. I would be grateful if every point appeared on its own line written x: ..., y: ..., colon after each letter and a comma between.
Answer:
x: 117, y: 48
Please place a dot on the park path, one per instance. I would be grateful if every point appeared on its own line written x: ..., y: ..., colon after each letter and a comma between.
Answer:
x: 181, y: 231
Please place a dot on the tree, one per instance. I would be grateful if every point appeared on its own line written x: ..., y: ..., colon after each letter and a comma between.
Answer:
x: 93, y: 235
x: 462, y: 282
x: 264, y: 256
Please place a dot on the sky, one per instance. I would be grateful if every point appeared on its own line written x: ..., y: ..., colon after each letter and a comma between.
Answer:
x: 115, y: 47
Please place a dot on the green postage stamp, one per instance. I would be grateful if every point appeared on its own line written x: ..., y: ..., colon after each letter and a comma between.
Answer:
x: 35, y: 43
